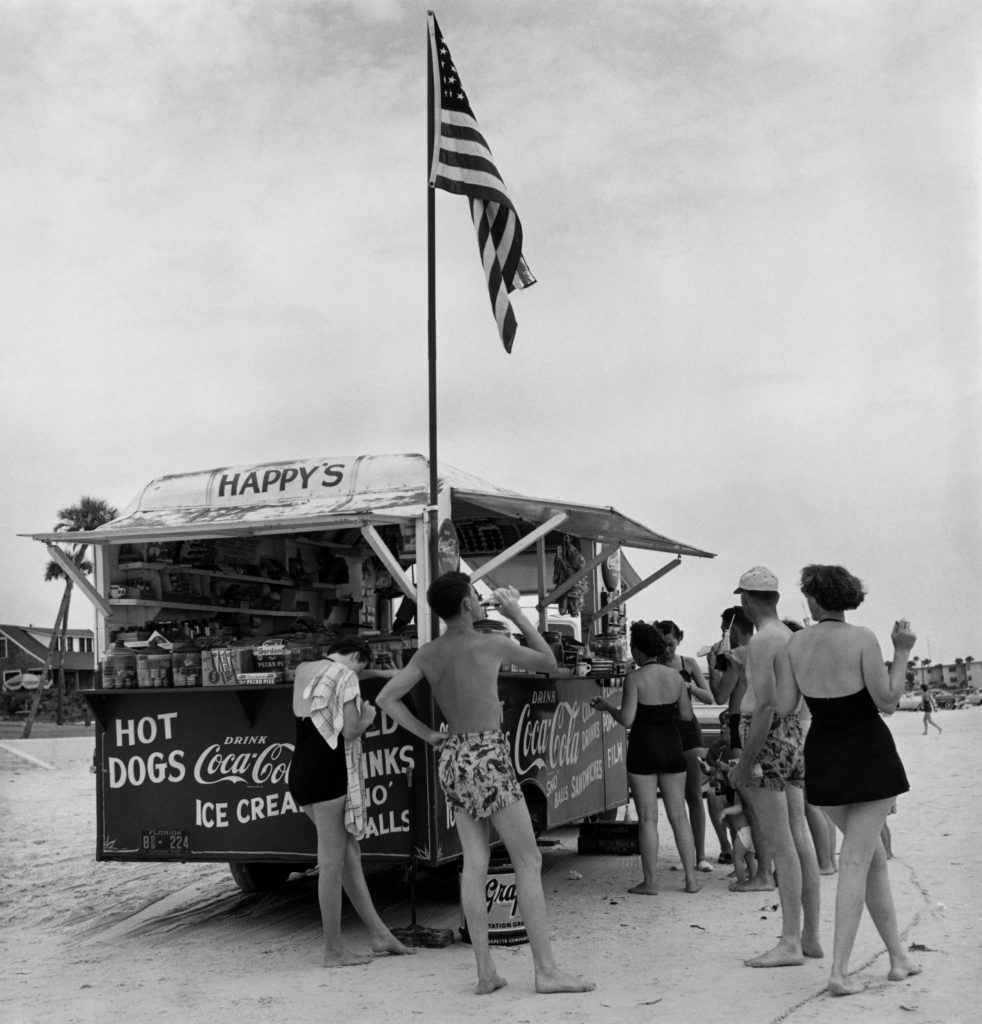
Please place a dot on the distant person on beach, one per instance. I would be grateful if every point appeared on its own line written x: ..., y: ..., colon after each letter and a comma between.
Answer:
x: 693, y: 746
x: 770, y: 772
x: 654, y: 697
x: 928, y: 706
x: 326, y: 784
x: 852, y: 768
x: 474, y: 765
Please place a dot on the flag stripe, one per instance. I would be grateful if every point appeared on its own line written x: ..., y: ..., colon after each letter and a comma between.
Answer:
x: 462, y: 163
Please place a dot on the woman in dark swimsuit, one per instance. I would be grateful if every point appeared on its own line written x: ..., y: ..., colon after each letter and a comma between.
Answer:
x: 653, y: 695
x: 852, y: 770
x: 326, y: 707
x: 693, y: 746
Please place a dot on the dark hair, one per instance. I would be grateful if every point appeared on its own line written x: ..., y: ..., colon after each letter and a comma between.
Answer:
x: 446, y: 593
x: 667, y: 626
x: 736, y: 616
x: 648, y: 640
x: 831, y: 586
x: 768, y: 597
x: 351, y: 645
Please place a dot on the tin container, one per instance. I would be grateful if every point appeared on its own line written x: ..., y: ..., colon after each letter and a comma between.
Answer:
x: 505, y: 924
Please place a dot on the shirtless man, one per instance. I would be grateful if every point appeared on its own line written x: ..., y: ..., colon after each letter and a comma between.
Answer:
x: 728, y: 683
x: 771, y: 772
x: 475, y: 768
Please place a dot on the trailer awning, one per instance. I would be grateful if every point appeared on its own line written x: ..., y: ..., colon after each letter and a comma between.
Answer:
x: 605, y: 525
x: 339, y: 493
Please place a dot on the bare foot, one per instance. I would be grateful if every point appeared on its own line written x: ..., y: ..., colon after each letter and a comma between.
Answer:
x: 903, y: 969
x: 389, y: 945
x: 693, y: 886
x: 346, y: 958
x: 826, y: 871
x: 812, y: 948
x: 548, y: 982
x: 780, y: 956
x: 485, y: 986
x: 754, y: 885
x: 644, y: 889
x: 845, y: 986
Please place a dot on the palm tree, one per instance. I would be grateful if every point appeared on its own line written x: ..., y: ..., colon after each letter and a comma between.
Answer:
x: 86, y: 514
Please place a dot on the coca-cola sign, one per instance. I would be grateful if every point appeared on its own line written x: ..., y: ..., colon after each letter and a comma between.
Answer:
x: 268, y: 765
x: 547, y: 741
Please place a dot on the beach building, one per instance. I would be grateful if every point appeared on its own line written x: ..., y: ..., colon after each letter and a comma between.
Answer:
x: 24, y: 650
x: 961, y: 673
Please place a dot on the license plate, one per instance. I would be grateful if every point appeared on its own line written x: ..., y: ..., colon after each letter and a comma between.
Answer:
x: 166, y: 842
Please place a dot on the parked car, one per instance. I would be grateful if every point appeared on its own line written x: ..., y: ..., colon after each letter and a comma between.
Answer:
x: 972, y: 699
x: 945, y: 699
x: 910, y: 701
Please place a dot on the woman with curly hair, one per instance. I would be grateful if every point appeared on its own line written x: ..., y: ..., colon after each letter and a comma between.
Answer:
x: 852, y: 769
x: 653, y: 695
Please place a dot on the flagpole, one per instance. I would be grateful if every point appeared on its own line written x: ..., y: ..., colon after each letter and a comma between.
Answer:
x: 431, y: 304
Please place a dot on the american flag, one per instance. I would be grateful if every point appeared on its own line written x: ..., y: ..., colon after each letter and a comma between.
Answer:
x: 462, y: 163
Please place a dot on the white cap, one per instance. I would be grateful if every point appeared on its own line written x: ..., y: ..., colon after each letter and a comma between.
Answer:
x: 757, y: 578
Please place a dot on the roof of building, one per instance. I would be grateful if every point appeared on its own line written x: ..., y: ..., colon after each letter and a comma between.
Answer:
x: 26, y: 638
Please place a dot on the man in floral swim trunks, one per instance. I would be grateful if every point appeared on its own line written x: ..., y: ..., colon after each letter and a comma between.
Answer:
x: 475, y: 768
x: 770, y: 773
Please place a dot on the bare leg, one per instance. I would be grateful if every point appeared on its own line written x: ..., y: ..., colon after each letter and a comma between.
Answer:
x: 771, y: 807
x: 818, y: 826
x: 833, y: 839
x: 644, y: 789
x: 382, y: 940
x: 332, y: 842
x: 763, y: 878
x: 863, y: 878
x: 474, y: 840
x: 714, y: 808
x: 811, y: 889
x: 695, y: 803
x: 673, y: 795
x: 515, y: 828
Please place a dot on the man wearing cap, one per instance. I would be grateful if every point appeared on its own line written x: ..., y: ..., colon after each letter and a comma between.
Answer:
x: 770, y: 773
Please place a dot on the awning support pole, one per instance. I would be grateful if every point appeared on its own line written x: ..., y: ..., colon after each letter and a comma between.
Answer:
x: 389, y: 560
x: 621, y: 598
x: 72, y: 571
x: 516, y: 549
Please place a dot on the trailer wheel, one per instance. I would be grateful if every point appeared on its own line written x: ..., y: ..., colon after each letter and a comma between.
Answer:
x: 537, y: 809
x: 257, y: 876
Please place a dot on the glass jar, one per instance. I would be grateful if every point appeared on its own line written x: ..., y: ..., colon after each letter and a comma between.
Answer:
x: 186, y: 665
x: 119, y: 668
x: 153, y: 667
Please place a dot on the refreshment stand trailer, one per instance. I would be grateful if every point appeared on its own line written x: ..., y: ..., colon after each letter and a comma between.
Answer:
x: 252, y: 563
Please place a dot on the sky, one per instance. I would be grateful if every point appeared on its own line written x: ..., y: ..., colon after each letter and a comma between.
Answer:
x: 754, y: 225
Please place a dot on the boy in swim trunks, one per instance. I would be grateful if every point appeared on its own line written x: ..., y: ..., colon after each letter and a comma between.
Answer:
x: 475, y: 769
x: 770, y: 773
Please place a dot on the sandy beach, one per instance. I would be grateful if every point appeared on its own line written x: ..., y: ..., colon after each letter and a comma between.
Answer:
x: 114, y: 942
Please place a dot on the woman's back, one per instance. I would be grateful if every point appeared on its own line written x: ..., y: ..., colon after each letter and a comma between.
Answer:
x: 657, y: 684
x: 828, y: 658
